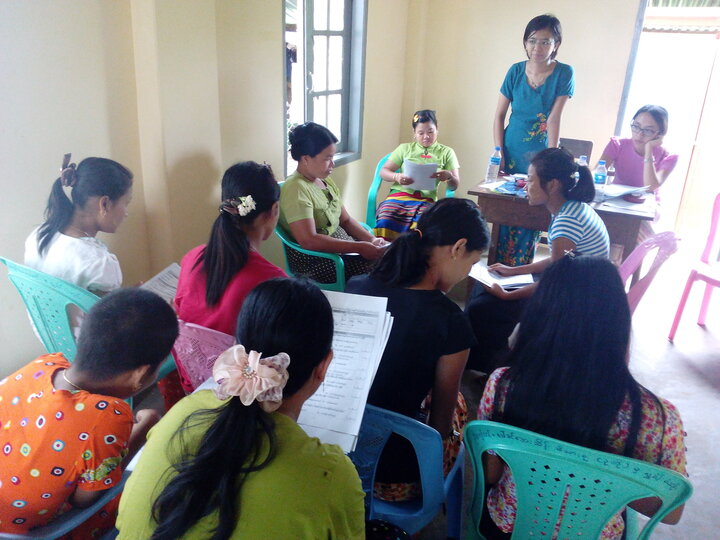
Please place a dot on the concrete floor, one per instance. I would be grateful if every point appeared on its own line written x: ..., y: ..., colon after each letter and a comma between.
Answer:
x: 687, y: 373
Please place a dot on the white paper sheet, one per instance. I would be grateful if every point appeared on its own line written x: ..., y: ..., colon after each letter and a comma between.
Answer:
x: 480, y: 272
x: 420, y: 173
x: 611, y: 191
x: 164, y: 283
x: 362, y: 326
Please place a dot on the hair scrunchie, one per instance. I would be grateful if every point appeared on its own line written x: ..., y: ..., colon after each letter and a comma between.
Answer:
x: 68, y: 178
x: 251, y: 377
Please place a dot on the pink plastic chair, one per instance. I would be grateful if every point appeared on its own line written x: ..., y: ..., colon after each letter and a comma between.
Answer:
x: 707, y: 271
x: 195, y: 352
x: 666, y: 244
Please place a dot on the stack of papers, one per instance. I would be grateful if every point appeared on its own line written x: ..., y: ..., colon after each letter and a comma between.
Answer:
x: 611, y: 191
x: 421, y: 173
x: 165, y: 283
x: 362, y: 328
x: 480, y: 272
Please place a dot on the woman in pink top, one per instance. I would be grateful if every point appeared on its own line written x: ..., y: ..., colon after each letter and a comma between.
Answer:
x: 216, y: 277
x: 641, y: 160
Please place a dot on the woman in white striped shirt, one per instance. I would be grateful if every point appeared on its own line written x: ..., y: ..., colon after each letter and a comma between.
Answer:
x: 564, y: 188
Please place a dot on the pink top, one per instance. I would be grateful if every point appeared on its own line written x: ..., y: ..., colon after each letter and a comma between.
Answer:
x: 190, y: 297
x: 629, y: 165
x: 663, y: 444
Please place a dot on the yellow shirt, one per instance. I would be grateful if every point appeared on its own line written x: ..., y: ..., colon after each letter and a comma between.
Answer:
x: 309, y: 490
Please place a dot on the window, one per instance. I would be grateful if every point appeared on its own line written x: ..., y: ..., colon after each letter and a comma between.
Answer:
x: 326, y: 40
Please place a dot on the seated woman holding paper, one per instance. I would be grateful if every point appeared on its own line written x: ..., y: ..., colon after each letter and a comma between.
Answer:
x: 430, y: 337
x: 232, y: 462
x: 569, y: 379
x: 312, y: 212
x: 65, y: 245
x: 564, y: 188
x: 641, y: 160
x: 406, y: 203
x: 216, y: 277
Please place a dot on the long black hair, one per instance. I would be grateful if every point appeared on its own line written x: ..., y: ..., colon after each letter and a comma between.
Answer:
x: 93, y: 177
x: 228, y: 248
x: 309, y: 139
x: 279, y: 315
x: 568, y: 374
x: 559, y: 164
x: 445, y: 222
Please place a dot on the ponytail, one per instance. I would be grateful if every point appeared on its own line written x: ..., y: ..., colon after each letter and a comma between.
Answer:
x: 248, y: 190
x: 211, y: 478
x: 93, y: 177
x: 559, y: 164
x: 443, y: 223
x: 583, y: 189
x: 58, y: 215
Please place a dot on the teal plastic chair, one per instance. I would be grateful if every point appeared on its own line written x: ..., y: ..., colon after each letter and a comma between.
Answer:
x: 377, y: 426
x: 71, y: 519
x: 372, y: 204
x: 598, y: 484
x: 47, y: 299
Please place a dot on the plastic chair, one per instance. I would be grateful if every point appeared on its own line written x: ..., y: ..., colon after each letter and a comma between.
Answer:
x: 195, y: 351
x: 71, y: 519
x: 577, y: 147
x: 707, y: 271
x: 377, y: 426
x: 597, y: 485
x: 47, y: 299
x: 666, y: 244
x: 372, y: 204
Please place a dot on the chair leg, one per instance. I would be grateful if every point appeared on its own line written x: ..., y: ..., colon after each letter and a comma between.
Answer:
x: 681, y: 305
x: 705, y: 304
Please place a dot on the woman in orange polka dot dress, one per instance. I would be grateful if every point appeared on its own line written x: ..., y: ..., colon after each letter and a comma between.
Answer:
x: 65, y: 429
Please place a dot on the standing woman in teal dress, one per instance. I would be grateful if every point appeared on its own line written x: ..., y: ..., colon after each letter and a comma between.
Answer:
x: 538, y: 89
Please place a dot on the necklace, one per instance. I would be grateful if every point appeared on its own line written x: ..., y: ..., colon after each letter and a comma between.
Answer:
x: 83, y: 233
x: 70, y: 382
x: 535, y: 80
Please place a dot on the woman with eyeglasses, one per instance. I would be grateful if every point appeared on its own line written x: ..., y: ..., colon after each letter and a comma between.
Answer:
x: 538, y: 89
x: 641, y: 160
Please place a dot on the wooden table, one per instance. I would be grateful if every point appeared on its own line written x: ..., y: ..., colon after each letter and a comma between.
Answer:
x: 623, y: 224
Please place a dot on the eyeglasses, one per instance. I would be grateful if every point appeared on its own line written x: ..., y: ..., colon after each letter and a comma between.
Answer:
x: 541, y: 42
x: 647, y: 132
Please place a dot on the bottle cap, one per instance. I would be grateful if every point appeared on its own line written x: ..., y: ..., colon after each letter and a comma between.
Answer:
x: 497, y: 148
x: 601, y: 162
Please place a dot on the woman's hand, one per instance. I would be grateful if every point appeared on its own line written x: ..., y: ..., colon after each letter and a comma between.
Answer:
x: 380, y: 242
x: 403, y: 180
x: 369, y: 251
x: 497, y: 291
x: 650, y: 146
x: 503, y: 270
x: 443, y: 176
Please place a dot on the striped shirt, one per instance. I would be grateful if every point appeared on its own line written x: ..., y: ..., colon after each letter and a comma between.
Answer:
x: 580, y: 224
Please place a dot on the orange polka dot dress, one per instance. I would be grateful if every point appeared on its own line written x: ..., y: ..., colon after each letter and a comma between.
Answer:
x: 54, y: 441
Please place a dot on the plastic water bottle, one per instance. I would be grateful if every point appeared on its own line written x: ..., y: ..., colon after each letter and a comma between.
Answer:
x: 611, y: 174
x: 493, y: 166
x: 600, y: 175
x: 582, y: 160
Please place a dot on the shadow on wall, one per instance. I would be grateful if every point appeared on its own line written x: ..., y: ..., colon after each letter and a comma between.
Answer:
x: 194, y: 196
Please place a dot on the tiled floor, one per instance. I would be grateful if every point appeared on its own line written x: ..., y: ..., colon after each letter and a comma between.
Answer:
x: 687, y: 373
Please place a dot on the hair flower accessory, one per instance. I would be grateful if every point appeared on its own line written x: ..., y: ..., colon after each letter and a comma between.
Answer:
x: 67, y: 172
x: 240, y: 206
x: 416, y: 118
x: 251, y: 377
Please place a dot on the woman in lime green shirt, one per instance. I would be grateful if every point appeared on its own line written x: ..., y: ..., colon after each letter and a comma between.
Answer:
x: 232, y: 462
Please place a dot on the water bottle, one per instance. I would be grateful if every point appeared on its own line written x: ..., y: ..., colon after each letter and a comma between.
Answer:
x: 611, y: 174
x: 582, y: 160
x: 493, y: 166
x: 600, y: 175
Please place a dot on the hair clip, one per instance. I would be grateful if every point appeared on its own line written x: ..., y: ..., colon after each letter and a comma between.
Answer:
x: 569, y: 253
x: 416, y: 118
x: 67, y: 172
x: 240, y: 206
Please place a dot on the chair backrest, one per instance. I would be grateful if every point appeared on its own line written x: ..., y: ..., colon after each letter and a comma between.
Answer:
x: 577, y: 147
x: 666, y: 245
x: 714, y: 223
x: 196, y: 349
x: 595, y: 485
x: 377, y: 426
x: 47, y: 299
x: 372, y: 204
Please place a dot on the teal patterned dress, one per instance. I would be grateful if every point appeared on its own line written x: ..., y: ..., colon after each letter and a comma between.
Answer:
x: 526, y: 135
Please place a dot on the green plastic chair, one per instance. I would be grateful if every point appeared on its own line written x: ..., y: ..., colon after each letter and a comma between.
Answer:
x: 598, y: 484
x: 47, y: 299
x: 372, y: 204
